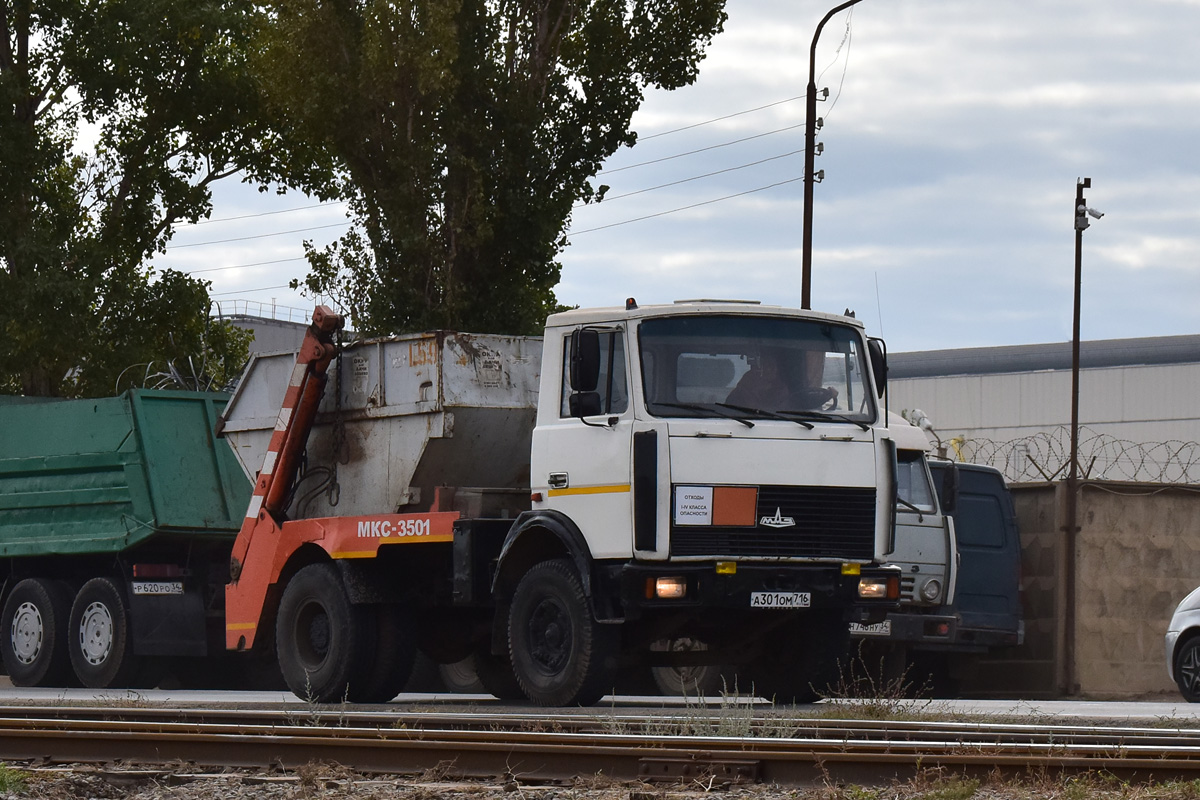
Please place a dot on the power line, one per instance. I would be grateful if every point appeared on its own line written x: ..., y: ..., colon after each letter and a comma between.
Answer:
x: 717, y: 119
x: 702, y: 149
x: 684, y: 208
x: 258, y: 236
x: 695, y: 178
x: 246, y: 291
x: 267, y: 213
x: 240, y: 266
x: 847, y: 40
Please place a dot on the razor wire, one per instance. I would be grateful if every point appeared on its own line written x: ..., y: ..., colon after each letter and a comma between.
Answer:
x: 1045, y: 456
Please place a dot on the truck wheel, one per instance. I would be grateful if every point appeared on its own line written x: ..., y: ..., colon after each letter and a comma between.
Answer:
x: 701, y: 680
x: 391, y: 664
x: 1187, y: 669
x: 561, y: 656
x: 34, y: 644
x: 320, y: 638
x: 807, y: 663
x: 496, y: 676
x: 98, y: 634
x: 462, y: 677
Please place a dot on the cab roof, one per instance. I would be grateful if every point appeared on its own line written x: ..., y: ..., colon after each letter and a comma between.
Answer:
x: 609, y: 315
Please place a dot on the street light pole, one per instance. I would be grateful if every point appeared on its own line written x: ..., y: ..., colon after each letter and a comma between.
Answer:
x: 1071, y: 529
x: 810, y: 145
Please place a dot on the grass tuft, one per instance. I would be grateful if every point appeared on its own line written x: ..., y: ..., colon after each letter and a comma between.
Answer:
x: 13, y: 780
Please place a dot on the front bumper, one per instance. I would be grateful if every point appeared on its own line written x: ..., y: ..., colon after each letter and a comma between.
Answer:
x: 707, y: 587
x: 1171, y: 638
x: 937, y: 632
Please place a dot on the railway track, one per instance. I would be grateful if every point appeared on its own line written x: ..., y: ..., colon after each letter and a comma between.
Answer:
x: 539, y: 747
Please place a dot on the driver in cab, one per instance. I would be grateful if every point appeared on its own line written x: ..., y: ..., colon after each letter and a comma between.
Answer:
x: 765, y: 385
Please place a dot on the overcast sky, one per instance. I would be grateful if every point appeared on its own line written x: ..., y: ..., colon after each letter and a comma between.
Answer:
x: 954, y: 136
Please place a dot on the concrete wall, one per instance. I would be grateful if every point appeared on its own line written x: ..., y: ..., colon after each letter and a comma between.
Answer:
x: 272, y: 335
x: 1137, y: 555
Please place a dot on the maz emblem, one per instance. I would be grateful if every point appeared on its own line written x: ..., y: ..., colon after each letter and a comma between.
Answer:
x: 777, y: 521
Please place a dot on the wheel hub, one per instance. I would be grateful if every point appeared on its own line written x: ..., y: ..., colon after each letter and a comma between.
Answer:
x: 550, y: 636
x: 27, y: 633
x: 96, y: 634
x: 313, y: 634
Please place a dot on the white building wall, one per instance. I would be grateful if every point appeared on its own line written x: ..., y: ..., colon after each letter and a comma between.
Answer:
x: 1127, y: 412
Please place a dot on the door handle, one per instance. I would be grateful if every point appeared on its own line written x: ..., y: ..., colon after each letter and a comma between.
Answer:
x: 558, y: 480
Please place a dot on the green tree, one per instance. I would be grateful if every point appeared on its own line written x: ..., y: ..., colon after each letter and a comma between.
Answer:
x: 115, y: 117
x: 462, y: 132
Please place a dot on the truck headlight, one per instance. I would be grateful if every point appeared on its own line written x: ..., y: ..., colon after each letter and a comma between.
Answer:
x: 671, y: 588
x: 931, y: 590
x: 878, y: 588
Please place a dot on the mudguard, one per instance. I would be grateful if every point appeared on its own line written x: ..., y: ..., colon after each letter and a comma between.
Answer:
x: 515, y: 558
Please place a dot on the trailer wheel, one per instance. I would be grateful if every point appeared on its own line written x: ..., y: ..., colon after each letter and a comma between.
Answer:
x: 390, y: 665
x: 98, y: 634
x: 561, y: 656
x: 33, y: 644
x: 320, y: 638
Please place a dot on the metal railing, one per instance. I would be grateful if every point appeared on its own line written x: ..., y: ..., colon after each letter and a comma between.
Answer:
x: 262, y: 310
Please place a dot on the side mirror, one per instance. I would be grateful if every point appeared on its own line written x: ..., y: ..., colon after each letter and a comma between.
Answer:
x: 950, y: 490
x: 585, y: 360
x: 879, y: 368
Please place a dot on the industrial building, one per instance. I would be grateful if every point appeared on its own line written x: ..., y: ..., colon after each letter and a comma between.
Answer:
x: 1011, y: 406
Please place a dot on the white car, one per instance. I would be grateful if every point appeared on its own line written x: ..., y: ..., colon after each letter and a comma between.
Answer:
x: 1183, y: 647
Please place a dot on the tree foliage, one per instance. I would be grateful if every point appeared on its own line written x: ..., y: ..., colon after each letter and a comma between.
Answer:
x: 115, y: 117
x: 462, y: 132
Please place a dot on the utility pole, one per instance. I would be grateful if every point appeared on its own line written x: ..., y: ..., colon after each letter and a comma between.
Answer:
x: 810, y: 152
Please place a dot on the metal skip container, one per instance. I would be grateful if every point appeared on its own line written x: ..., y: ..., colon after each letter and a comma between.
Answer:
x: 103, y: 475
x: 402, y: 417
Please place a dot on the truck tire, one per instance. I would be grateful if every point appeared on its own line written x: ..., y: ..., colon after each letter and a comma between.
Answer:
x: 462, y: 677
x: 99, y: 639
x: 496, y: 676
x: 33, y: 643
x: 561, y: 656
x: 394, y: 651
x: 320, y: 638
x: 806, y: 665
x: 701, y: 680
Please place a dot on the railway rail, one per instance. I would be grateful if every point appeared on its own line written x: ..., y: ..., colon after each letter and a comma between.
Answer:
x: 548, y: 747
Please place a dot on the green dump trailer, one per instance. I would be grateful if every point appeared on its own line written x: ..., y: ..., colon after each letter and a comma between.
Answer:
x: 117, y: 518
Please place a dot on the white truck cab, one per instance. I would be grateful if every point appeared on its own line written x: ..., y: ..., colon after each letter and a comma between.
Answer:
x: 714, y: 470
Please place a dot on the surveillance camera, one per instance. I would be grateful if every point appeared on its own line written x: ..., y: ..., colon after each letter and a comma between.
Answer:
x: 1094, y: 213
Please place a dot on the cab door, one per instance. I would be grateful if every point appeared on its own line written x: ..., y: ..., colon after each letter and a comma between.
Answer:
x: 586, y: 450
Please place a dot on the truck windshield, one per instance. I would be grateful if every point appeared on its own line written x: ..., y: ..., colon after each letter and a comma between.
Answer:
x: 913, y: 485
x: 756, y: 367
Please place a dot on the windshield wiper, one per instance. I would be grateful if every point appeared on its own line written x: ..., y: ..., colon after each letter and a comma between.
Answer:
x: 698, y: 407
x: 822, y: 416
x: 766, y: 413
